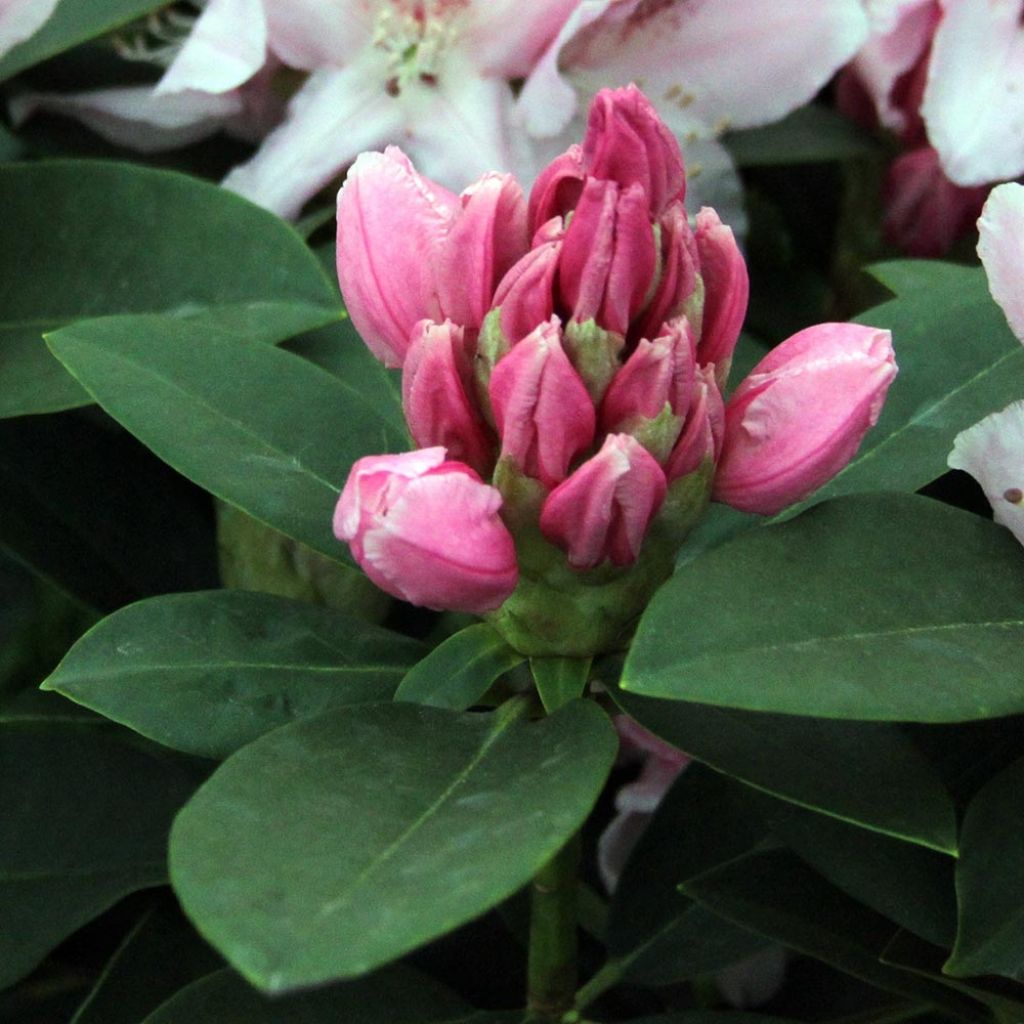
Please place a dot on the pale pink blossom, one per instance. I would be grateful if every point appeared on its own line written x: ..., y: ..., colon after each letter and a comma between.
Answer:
x: 800, y: 415
x: 20, y: 19
x: 428, y: 531
x: 992, y: 451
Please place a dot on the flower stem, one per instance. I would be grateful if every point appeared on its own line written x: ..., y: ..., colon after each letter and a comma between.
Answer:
x: 553, y: 937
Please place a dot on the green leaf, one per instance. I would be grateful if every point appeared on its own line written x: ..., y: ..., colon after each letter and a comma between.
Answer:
x: 958, y: 362
x: 712, y: 1017
x: 71, y: 483
x: 397, y: 995
x: 336, y: 844
x: 775, y: 893
x: 656, y: 935
x: 990, y: 939
x: 86, y: 811
x: 559, y: 680
x: 338, y: 349
x: 71, y: 23
x: 207, y: 673
x: 257, y: 426
x: 161, y: 954
x: 866, y: 773
x: 88, y: 239
x: 841, y: 613
x: 909, y: 885
x: 460, y: 670
x: 812, y: 134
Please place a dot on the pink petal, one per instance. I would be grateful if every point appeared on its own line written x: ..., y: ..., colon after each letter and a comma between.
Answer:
x: 992, y: 451
x: 508, y: 37
x: 310, y: 34
x: 392, y: 223
x: 227, y: 46
x: 973, y: 106
x: 1001, y: 248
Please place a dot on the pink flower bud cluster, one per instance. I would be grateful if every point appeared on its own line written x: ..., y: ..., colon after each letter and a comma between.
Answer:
x: 572, y: 349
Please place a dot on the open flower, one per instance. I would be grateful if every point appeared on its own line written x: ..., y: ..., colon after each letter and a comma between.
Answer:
x: 992, y: 451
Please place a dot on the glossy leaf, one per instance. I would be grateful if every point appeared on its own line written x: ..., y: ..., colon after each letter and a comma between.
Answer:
x: 397, y: 995
x: 656, y: 935
x: 841, y: 613
x: 460, y: 670
x: 559, y: 680
x: 86, y: 811
x: 910, y: 886
x: 990, y: 939
x: 958, y: 362
x: 87, y: 239
x: 866, y: 773
x: 91, y: 510
x: 336, y: 844
x: 776, y: 894
x: 257, y: 426
x: 207, y: 673
x: 160, y: 955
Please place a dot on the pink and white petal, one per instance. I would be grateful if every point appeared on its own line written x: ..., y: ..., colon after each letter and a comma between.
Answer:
x: 973, y: 105
x: 226, y: 47
x: 720, y: 65
x: 135, y: 116
x: 310, y: 34
x: 754, y: 980
x: 548, y: 102
x: 901, y: 31
x: 507, y: 37
x: 20, y: 19
x: 461, y: 127
x: 992, y: 451
x: 712, y: 180
x: 336, y: 115
x: 1001, y: 248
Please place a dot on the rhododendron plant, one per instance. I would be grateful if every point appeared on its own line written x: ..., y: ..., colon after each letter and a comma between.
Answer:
x: 594, y: 393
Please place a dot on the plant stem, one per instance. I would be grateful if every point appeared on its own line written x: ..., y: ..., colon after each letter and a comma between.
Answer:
x: 553, y: 938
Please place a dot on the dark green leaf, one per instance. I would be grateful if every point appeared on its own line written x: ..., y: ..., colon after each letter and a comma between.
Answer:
x: 990, y: 939
x: 775, y: 893
x: 909, y: 885
x: 810, y: 135
x: 71, y: 485
x: 257, y: 426
x: 841, y: 613
x: 335, y: 844
x: 86, y: 811
x: 460, y: 670
x: 71, y: 23
x: 88, y: 239
x: 207, y: 673
x: 657, y: 936
x: 559, y: 680
x: 867, y: 773
x: 161, y: 954
x: 396, y: 995
x: 958, y: 362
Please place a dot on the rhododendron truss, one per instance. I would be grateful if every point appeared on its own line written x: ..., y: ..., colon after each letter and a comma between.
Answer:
x: 564, y: 357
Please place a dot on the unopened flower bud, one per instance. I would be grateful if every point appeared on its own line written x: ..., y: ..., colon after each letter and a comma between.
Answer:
x: 800, y: 415
x: 608, y: 256
x: 726, y: 291
x: 525, y: 295
x: 557, y: 188
x: 541, y: 407
x: 677, y: 288
x: 390, y: 513
x: 437, y: 395
x: 650, y: 395
x: 603, y: 509
x: 628, y: 143
x: 702, y: 435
